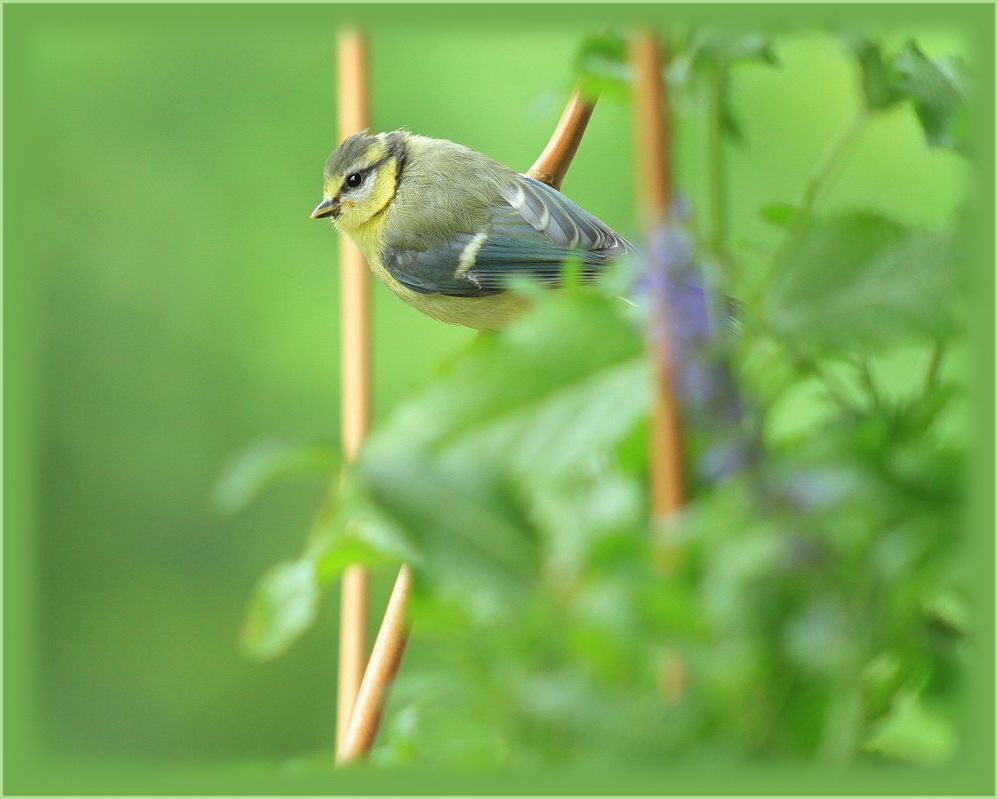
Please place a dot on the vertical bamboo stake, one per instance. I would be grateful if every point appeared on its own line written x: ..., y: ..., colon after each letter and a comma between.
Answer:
x: 355, y: 377
x: 651, y: 128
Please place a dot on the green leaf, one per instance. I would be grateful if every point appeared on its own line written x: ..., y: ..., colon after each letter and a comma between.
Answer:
x: 601, y: 65
x: 950, y: 609
x: 910, y: 732
x: 880, y: 78
x: 860, y: 278
x: 283, y: 606
x: 938, y: 89
x: 559, y: 431
x: 725, y: 48
x: 568, y: 337
x: 265, y: 463
x: 465, y: 524
x: 332, y: 559
x: 781, y: 214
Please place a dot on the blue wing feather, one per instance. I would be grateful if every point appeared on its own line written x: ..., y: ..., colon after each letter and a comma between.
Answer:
x: 532, y: 232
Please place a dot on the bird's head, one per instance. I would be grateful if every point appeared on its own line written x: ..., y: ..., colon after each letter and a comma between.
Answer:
x: 360, y: 178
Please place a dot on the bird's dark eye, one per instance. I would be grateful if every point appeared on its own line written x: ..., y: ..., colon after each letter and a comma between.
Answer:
x: 354, y: 179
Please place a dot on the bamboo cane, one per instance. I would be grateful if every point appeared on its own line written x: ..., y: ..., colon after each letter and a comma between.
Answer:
x: 651, y: 130
x: 552, y: 164
x: 355, y: 344
x: 386, y: 657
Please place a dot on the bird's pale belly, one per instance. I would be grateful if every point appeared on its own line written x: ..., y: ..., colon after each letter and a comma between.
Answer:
x: 489, y: 313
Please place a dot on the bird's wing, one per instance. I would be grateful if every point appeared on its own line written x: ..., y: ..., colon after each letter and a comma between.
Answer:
x: 532, y: 231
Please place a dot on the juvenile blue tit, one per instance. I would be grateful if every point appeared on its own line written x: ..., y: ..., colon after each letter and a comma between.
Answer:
x: 445, y: 227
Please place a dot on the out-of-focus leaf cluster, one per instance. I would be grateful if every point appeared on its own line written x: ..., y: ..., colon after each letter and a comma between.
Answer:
x: 807, y: 604
x: 937, y: 88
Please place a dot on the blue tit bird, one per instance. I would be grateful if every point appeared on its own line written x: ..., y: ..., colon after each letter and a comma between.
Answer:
x: 445, y: 227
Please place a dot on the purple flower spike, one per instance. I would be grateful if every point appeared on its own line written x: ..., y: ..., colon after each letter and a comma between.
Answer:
x: 684, y: 322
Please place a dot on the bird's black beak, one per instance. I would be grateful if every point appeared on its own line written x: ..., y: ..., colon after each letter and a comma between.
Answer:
x: 328, y: 207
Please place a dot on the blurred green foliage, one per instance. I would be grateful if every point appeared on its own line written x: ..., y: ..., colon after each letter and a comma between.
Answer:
x: 808, y: 607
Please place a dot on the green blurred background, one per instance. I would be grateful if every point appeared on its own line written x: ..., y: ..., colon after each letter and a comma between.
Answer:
x: 168, y: 302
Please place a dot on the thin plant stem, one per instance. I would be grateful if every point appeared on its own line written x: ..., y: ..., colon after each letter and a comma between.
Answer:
x: 832, y: 386
x: 716, y: 194
x: 866, y: 372
x: 935, y: 366
x: 831, y: 162
x: 822, y: 177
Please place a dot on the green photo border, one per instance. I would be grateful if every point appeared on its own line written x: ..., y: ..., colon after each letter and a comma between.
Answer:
x: 27, y: 771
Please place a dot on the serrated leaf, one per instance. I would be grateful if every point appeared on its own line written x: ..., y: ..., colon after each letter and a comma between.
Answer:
x: 265, y: 463
x: 861, y: 278
x: 282, y: 607
x: 937, y: 89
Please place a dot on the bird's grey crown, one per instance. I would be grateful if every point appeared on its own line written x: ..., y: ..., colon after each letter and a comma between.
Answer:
x: 348, y: 153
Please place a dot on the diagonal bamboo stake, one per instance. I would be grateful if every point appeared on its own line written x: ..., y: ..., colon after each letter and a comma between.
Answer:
x: 553, y: 163
x: 390, y: 644
x: 355, y: 344
x: 651, y: 128
x: 386, y: 657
